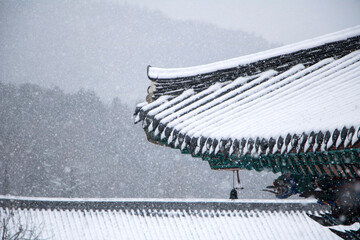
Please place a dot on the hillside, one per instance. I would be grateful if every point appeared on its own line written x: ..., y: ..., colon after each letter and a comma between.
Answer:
x: 55, y: 144
x: 70, y: 75
x: 105, y: 46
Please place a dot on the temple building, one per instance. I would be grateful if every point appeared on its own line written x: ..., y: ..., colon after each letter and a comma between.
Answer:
x: 293, y: 109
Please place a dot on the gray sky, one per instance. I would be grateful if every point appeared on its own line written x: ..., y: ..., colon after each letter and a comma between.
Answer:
x: 276, y: 20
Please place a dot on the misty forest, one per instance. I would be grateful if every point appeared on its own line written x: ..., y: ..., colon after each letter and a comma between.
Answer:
x: 70, y: 76
x: 74, y: 145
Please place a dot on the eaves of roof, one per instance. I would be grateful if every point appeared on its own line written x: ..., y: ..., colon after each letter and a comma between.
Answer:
x: 297, y: 111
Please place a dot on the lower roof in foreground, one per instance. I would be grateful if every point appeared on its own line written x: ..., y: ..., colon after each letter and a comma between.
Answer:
x: 166, y: 218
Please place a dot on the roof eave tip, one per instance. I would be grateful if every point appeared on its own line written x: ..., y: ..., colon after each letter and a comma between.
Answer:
x: 147, y: 70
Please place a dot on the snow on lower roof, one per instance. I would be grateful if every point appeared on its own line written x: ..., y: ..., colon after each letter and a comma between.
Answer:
x: 146, y: 221
x: 167, y: 73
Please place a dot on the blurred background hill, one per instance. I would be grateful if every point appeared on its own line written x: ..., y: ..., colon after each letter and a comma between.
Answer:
x: 106, y: 46
x: 71, y: 73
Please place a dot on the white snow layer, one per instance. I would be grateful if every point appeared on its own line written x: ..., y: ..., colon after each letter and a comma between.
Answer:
x: 163, y: 73
x: 322, y: 97
x: 318, y: 102
x: 171, y: 224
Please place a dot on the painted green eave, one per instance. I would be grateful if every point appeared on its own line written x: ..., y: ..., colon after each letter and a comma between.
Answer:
x: 332, y: 163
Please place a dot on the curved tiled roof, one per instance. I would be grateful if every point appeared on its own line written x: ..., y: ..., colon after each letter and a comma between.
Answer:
x: 174, y: 81
x: 301, y: 102
x: 166, y: 219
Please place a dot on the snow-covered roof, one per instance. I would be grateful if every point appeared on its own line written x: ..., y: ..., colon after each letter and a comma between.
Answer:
x: 302, y: 49
x: 300, y: 100
x: 167, y: 219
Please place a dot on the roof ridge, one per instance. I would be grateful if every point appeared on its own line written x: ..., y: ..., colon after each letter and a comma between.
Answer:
x: 160, y: 204
x: 155, y: 73
x: 167, y: 200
